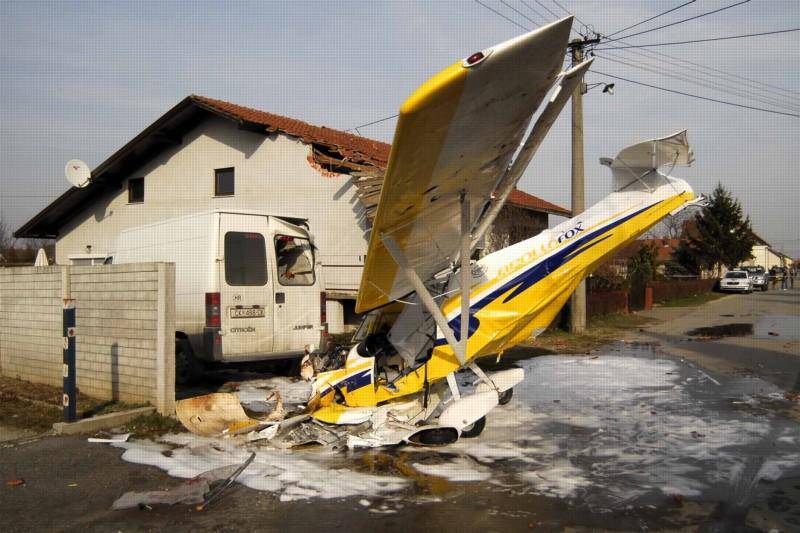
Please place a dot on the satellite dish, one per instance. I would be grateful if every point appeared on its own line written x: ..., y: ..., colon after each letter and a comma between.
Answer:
x: 78, y: 173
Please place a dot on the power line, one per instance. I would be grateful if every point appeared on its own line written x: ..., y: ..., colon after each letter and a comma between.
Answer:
x: 547, y: 8
x: 514, y: 22
x: 699, y: 40
x: 651, y: 18
x: 696, y: 96
x: 681, y: 21
x: 726, y: 76
x: 384, y: 119
x: 512, y: 8
x: 734, y: 91
x: 526, y: 4
x: 570, y: 13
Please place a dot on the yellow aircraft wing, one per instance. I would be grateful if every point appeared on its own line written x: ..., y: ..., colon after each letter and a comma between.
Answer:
x: 455, y: 134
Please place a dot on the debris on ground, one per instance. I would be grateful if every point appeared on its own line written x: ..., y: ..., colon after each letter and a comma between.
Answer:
x: 217, y: 492
x: 113, y: 438
x: 190, y: 492
x: 15, y: 482
x: 195, y: 491
x: 216, y: 414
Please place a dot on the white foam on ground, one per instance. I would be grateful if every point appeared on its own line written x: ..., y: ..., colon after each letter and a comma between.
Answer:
x: 611, y: 427
x: 460, y: 469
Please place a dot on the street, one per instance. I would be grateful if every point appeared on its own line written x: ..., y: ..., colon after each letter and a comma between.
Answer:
x: 660, y: 431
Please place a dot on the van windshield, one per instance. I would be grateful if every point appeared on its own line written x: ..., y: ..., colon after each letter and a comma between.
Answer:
x: 295, y: 260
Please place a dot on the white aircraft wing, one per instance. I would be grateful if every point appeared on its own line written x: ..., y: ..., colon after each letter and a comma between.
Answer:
x: 456, y: 134
x: 639, y: 159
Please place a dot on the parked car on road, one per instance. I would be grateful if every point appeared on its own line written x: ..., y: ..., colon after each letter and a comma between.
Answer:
x: 759, y: 276
x: 737, y: 281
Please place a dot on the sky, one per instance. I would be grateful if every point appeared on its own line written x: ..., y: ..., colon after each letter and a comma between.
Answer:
x: 80, y: 79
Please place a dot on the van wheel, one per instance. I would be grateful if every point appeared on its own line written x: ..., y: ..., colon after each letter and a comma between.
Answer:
x: 188, y: 369
x: 474, y: 429
x: 505, y: 396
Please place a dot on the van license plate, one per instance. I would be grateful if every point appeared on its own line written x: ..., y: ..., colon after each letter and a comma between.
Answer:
x: 249, y: 312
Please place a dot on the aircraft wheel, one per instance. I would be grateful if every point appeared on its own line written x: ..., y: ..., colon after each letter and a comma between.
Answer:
x: 474, y: 429
x: 505, y: 396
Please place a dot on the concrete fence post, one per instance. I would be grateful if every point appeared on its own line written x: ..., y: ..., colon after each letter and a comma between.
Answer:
x: 165, y: 339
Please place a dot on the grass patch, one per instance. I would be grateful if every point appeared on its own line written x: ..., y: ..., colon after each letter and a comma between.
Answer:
x: 692, y: 301
x: 600, y: 330
x: 37, y: 407
x: 153, y: 425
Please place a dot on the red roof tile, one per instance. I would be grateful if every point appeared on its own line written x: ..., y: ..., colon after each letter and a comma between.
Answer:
x: 351, y: 146
x: 522, y: 199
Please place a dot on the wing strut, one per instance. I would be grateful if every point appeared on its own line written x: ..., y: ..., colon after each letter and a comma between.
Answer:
x: 459, y: 348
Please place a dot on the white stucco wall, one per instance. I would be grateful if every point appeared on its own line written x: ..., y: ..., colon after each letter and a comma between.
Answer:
x: 272, y: 175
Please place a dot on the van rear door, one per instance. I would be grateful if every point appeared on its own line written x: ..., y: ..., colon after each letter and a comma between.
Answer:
x: 297, y: 289
x: 246, y: 299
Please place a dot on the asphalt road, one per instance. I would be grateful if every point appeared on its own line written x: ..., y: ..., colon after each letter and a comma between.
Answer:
x: 639, y: 436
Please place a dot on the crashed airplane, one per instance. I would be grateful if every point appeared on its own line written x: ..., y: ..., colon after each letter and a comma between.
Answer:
x: 459, y: 148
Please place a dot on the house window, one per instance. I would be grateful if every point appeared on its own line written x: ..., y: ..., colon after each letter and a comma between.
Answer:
x: 223, y: 182
x: 136, y: 190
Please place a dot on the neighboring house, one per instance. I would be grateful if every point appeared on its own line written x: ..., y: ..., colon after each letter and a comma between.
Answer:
x: 665, y: 253
x: 206, y: 154
x: 764, y: 255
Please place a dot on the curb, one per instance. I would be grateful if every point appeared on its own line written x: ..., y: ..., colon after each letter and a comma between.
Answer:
x: 96, y: 423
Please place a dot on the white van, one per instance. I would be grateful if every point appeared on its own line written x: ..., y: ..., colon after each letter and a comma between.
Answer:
x: 247, y: 286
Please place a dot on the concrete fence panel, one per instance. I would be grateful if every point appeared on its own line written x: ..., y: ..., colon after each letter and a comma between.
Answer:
x: 125, y: 329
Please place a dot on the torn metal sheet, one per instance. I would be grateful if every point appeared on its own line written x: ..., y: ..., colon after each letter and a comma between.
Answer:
x: 191, y: 492
x: 214, y: 414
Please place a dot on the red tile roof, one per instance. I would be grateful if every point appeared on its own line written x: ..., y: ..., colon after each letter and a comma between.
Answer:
x: 351, y: 146
x: 354, y: 147
x: 522, y: 199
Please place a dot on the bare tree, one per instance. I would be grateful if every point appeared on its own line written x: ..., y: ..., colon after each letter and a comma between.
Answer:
x: 5, y: 236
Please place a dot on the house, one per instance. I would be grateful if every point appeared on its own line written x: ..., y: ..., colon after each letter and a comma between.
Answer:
x: 764, y: 255
x: 664, y: 253
x: 205, y: 154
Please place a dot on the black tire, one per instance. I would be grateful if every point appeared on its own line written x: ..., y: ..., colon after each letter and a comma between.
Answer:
x: 188, y: 368
x: 474, y: 429
x: 763, y: 288
x: 504, y: 397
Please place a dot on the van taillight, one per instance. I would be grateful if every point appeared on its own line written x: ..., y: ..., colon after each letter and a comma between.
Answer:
x: 212, y: 309
x: 323, y: 311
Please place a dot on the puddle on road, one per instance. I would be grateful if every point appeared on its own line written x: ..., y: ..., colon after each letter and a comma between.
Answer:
x: 627, y: 428
x: 724, y: 330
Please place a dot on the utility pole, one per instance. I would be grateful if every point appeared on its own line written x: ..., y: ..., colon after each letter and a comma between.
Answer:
x: 577, y: 319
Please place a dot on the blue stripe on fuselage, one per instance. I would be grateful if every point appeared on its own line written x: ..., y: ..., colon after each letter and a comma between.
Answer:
x: 526, y: 279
